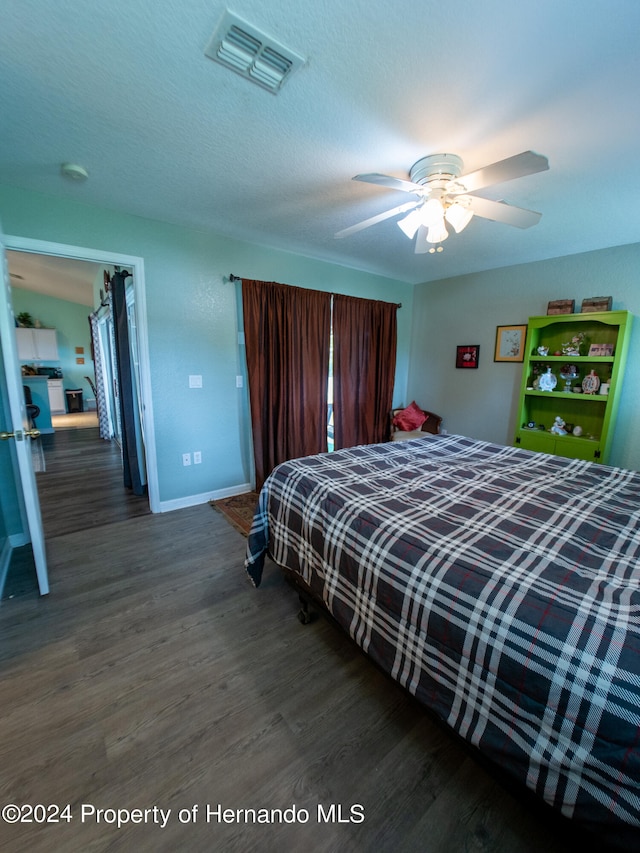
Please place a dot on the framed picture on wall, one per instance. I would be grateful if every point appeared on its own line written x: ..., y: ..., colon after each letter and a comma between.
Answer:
x: 467, y: 355
x: 510, y: 342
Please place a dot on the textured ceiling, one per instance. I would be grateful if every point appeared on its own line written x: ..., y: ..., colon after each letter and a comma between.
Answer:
x: 124, y: 89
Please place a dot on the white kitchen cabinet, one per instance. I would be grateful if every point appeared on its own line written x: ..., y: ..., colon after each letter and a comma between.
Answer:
x: 56, y: 396
x: 37, y: 345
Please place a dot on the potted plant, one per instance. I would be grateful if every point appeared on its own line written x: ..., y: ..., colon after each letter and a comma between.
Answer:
x: 25, y: 320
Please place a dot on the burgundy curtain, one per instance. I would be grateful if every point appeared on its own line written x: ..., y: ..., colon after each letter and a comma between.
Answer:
x: 287, y: 335
x: 364, y: 363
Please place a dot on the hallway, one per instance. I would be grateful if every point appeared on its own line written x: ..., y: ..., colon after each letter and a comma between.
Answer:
x: 80, y: 489
x: 82, y: 485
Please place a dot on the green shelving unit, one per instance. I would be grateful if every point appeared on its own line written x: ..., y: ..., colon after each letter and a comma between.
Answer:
x: 595, y: 413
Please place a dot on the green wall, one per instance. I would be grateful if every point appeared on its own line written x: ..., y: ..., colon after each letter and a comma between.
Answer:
x: 467, y: 309
x: 69, y: 319
x: 192, y: 315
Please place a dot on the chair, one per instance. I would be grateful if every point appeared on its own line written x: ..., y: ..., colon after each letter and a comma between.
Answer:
x: 92, y: 386
x: 430, y: 425
x: 32, y: 410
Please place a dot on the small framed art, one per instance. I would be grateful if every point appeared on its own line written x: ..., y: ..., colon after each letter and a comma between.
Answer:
x: 510, y: 342
x: 468, y: 355
x: 601, y: 349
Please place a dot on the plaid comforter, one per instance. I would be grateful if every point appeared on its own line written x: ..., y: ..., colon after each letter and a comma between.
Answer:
x: 501, y: 587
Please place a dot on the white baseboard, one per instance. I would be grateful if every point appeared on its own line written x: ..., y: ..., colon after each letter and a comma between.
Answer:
x: 205, y: 497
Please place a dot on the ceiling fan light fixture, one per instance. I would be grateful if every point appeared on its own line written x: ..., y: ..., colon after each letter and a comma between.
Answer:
x: 458, y: 217
x: 437, y: 233
x: 410, y: 224
x: 448, y: 197
x: 431, y: 212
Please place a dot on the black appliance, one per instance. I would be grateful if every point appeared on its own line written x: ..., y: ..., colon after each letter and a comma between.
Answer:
x: 50, y: 372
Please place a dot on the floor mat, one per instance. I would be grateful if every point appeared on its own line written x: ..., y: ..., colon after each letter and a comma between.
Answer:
x: 238, y: 510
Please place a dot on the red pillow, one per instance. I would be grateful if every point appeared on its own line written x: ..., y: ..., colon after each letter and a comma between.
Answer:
x: 410, y: 418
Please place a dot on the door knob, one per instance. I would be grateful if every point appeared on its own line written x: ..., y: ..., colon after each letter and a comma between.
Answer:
x: 19, y: 434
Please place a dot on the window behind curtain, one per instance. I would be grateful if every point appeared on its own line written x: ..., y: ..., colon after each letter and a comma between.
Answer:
x: 364, y: 362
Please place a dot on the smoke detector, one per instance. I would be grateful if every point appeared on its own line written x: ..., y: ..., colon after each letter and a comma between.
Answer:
x: 74, y: 172
x: 251, y: 53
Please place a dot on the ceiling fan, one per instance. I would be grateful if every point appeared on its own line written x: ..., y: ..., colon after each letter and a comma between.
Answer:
x: 445, y: 195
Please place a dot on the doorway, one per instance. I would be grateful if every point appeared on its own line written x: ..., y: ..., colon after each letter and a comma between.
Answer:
x: 138, y: 302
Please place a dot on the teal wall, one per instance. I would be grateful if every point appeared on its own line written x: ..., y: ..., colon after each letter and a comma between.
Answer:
x: 193, y: 317
x: 69, y: 319
x: 466, y: 310
x: 193, y: 325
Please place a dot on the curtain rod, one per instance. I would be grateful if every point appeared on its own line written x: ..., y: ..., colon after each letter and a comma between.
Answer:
x: 233, y: 277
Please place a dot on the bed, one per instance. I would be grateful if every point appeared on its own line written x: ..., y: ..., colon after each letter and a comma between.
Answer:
x: 501, y: 587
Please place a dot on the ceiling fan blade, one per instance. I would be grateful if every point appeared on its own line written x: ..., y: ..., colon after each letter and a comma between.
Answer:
x: 388, y: 182
x: 500, y: 211
x: 359, y: 226
x: 422, y: 247
x: 527, y: 163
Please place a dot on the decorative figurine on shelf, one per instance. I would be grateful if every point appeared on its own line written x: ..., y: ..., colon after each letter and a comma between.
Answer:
x: 558, y: 427
x: 575, y: 346
x: 547, y: 381
x: 591, y: 383
x: 543, y: 351
x: 568, y: 372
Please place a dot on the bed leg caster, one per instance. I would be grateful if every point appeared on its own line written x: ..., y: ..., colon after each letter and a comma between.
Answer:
x: 305, y: 615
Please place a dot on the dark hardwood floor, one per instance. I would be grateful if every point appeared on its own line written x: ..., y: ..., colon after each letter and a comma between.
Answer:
x: 154, y: 676
x: 82, y: 485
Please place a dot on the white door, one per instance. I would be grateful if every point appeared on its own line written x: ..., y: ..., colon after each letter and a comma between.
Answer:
x: 19, y: 431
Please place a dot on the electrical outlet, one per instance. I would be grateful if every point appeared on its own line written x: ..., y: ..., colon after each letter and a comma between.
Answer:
x: 197, y: 457
x: 186, y: 459
x: 195, y: 381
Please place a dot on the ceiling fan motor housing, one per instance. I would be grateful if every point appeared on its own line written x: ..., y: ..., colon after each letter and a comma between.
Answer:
x: 440, y: 167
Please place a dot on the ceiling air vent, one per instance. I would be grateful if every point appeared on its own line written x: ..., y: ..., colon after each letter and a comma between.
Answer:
x: 254, y: 55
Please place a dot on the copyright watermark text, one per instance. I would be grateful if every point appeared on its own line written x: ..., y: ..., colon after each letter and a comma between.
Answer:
x: 88, y: 813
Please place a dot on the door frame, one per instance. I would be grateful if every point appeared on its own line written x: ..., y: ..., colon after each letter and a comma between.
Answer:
x: 62, y: 250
